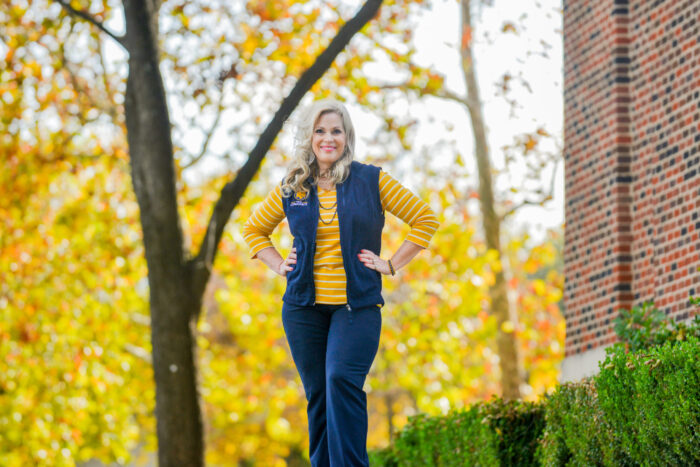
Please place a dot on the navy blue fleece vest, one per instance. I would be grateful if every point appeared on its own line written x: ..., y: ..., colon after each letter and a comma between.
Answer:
x: 361, y: 221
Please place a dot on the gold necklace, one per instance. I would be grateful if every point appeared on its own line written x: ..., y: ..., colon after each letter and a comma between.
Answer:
x: 332, y: 218
x: 328, y: 209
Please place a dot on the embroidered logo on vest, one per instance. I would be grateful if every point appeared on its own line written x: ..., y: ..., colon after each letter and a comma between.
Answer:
x: 300, y: 199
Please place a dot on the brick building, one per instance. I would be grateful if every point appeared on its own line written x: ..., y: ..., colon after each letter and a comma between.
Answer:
x: 632, y: 153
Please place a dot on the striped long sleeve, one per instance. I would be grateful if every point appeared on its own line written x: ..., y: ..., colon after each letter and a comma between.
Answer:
x: 257, y: 230
x: 415, y: 212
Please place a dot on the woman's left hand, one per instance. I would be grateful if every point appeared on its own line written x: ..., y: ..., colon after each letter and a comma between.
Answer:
x: 373, y: 261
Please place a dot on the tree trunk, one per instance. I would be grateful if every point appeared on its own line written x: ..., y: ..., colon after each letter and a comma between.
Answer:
x: 178, y: 415
x: 389, y: 401
x: 507, y: 349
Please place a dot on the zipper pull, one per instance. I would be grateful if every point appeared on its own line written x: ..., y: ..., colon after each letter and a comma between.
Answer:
x: 347, y: 305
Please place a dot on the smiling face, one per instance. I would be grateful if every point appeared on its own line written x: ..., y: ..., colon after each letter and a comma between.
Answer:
x: 328, y: 140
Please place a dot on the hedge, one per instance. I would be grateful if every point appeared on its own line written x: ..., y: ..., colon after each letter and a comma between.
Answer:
x: 487, y: 434
x: 653, y: 399
x: 642, y: 408
x: 576, y: 430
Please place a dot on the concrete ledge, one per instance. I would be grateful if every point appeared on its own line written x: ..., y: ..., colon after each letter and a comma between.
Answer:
x: 579, y: 366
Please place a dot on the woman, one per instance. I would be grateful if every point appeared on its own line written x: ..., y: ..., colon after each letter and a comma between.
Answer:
x: 331, y: 311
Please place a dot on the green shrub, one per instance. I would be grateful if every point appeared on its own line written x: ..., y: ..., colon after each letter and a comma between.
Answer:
x: 643, y: 408
x: 487, y: 434
x: 653, y: 400
x: 576, y: 431
x: 458, y: 438
x: 518, y: 425
x: 646, y: 326
x: 384, y: 457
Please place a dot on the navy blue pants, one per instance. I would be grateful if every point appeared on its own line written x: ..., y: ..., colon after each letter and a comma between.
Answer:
x: 333, y: 347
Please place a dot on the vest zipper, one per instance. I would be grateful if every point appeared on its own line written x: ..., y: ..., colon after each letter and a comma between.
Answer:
x: 347, y: 305
x: 313, y: 255
x: 314, y: 191
x: 339, y: 198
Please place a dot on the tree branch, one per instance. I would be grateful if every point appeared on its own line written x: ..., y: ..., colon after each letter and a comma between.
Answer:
x: 200, y: 266
x: 138, y: 352
x: 442, y: 93
x: 209, y: 133
x: 546, y: 197
x: 91, y: 19
x: 447, y: 94
x: 112, y: 108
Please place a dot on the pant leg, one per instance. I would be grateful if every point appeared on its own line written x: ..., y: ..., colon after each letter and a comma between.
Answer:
x: 353, y: 341
x: 306, y: 329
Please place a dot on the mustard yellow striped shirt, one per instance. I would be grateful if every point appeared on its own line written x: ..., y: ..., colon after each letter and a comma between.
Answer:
x: 329, y: 274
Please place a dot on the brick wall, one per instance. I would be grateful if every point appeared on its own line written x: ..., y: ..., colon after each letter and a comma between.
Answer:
x: 632, y: 147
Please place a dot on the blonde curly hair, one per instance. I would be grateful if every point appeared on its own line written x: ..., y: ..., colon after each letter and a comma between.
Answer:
x: 304, y: 164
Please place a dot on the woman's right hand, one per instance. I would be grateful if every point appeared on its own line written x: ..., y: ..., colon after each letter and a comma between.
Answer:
x: 284, y: 266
